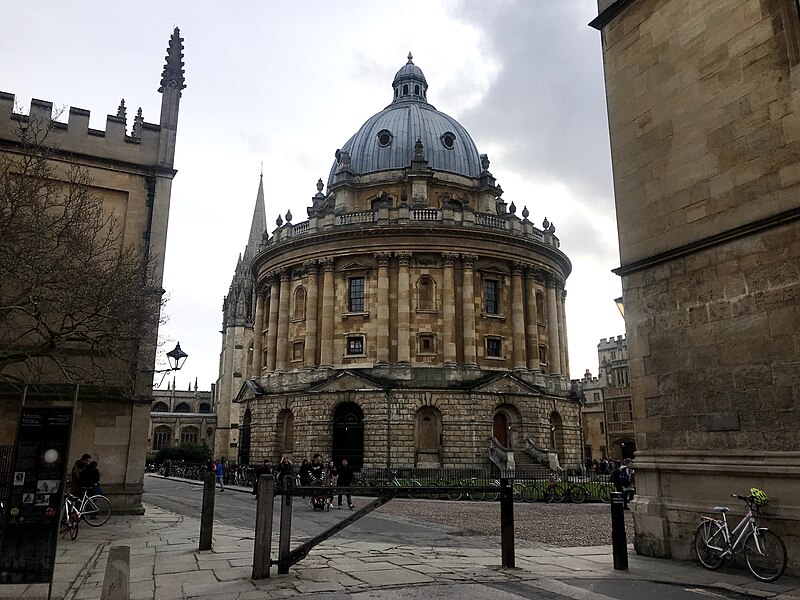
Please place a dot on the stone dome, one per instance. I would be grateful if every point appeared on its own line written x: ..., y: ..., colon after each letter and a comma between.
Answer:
x: 386, y: 141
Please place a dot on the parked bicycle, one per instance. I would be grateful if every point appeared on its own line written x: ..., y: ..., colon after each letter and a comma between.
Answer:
x: 94, y: 510
x: 764, y: 551
x: 70, y: 516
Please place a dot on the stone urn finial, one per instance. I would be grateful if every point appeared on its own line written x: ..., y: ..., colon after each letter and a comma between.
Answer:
x: 279, y: 221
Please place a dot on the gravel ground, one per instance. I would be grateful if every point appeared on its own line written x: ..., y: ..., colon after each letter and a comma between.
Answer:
x: 562, y: 525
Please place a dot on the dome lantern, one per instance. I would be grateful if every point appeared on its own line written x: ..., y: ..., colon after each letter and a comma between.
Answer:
x: 409, y: 83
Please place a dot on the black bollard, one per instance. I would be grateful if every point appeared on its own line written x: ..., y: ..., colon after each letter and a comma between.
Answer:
x: 619, y: 541
x: 507, y: 522
x: 262, y: 550
x: 207, y: 512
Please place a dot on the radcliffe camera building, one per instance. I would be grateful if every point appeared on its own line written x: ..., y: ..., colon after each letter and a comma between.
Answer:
x: 414, y: 319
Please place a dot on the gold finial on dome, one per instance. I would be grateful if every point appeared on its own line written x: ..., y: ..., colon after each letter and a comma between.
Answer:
x: 410, y: 57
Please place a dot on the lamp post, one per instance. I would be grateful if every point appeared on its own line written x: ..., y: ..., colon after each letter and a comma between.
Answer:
x: 176, y: 358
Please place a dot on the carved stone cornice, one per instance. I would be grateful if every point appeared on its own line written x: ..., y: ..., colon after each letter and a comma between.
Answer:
x: 517, y: 267
x: 285, y: 273
x: 310, y: 266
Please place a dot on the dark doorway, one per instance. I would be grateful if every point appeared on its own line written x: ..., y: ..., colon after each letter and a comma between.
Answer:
x: 348, y: 434
x: 628, y: 448
x: 500, y: 429
x: 244, y: 439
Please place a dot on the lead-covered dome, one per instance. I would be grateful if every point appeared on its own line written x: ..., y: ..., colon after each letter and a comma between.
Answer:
x: 386, y: 141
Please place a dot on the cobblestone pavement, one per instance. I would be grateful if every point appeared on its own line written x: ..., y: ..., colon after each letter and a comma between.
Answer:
x: 561, y: 525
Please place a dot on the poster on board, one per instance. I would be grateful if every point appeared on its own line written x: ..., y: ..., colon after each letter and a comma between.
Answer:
x: 30, y: 527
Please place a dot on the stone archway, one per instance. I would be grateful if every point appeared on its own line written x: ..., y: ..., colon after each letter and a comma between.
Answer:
x: 500, y: 428
x: 285, y: 432
x: 244, y: 439
x: 557, y: 434
x: 348, y: 434
x: 507, y: 426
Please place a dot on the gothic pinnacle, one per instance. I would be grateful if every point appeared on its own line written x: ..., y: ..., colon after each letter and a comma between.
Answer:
x: 173, y: 75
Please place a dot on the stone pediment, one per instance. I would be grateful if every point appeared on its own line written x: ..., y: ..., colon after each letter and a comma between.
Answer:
x: 506, y: 384
x: 354, y: 265
x: 250, y: 390
x: 346, y: 381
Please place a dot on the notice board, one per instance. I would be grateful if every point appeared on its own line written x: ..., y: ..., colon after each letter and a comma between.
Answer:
x: 31, y: 516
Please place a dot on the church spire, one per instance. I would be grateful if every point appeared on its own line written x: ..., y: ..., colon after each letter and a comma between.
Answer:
x: 259, y: 222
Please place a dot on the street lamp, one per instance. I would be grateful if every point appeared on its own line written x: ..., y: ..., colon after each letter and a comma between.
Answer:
x: 176, y: 358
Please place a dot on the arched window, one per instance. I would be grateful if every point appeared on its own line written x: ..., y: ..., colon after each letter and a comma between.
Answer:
x: 299, y: 304
x: 160, y: 407
x: 205, y: 407
x: 428, y: 435
x: 540, y: 307
x: 416, y: 90
x: 405, y: 89
x: 183, y: 407
x: 425, y: 293
x: 162, y: 437
x: 190, y: 435
x: 557, y: 434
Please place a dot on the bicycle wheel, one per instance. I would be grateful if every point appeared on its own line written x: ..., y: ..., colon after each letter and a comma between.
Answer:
x: 765, y: 555
x: 577, y: 493
x: 709, y: 544
x: 455, y: 494
x: 532, y: 492
x: 96, y: 511
x: 73, y: 522
x: 604, y: 493
x: 553, y: 493
x: 518, y: 491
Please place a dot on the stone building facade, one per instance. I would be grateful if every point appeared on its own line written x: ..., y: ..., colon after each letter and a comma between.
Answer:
x: 181, y: 417
x: 414, y: 318
x: 131, y: 169
x: 607, y: 413
x: 704, y: 116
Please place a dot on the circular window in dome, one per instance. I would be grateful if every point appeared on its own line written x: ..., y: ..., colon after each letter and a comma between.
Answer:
x: 384, y: 137
x: 448, y: 140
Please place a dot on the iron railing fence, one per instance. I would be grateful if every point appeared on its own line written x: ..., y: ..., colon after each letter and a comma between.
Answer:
x: 530, y: 483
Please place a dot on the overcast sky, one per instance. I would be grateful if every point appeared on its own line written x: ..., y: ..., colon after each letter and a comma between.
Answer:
x: 287, y: 83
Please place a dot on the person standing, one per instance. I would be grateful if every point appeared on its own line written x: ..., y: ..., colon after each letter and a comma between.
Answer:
x: 75, y: 475
x: 264, y: 469
x: 220, y: 473
x: 89, y: 479
x: 345, y: 479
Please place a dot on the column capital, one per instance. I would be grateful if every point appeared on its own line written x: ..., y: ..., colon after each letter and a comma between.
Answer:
x: 563, y: 294
x: 285, y: 273
x: 469, y: 260
x: 404, y: 258
x: 310, y: 266
x: 383, y: 258
x: 327, y: 263
x: 449, y: 258
x: 517, y: 267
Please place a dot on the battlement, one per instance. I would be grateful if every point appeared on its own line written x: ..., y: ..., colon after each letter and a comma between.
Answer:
x: 611, y: 342
x: 138, y: 144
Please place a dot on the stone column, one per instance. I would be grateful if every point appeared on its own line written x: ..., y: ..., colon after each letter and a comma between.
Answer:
x: 562, y: 332
x: 403, y: 309
x: 518, y: 317
x: 328, y: 301
x: 310, y: 347
x: 468, y: 310
x: 382, y: 334
x: 554, y: 354
x: 449, y: 309
x: 272, y: 331
x: 531, y: 326
x: 258, y: 335
x: 283, y: 322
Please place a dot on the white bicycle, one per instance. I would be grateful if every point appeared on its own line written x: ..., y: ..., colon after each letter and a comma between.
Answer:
x: 764, y: 551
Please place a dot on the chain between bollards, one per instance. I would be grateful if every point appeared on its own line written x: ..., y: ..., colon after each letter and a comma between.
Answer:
x: 619, y: 541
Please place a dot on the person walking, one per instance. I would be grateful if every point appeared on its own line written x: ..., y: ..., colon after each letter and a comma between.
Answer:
x: 345, y: 479
x: 219, y: 471
x: 616, y: 479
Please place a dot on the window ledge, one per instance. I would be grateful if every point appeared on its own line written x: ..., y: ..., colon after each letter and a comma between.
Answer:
x: 493, y: 316
x: 354, y: 356
x: 348, y: 315
x: 298, y: 320
x: 427, y: 311
x: 495, y: 357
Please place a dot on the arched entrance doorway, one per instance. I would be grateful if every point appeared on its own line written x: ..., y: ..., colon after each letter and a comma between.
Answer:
x: 244, y: 439
x: 428, y: 436
x: 348, y: 434
x: 500, y: 429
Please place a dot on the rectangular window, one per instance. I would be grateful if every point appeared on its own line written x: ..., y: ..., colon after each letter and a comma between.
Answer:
x: 355, y: 345
x: 602, y: 427
x: 425, y: 344
x: 356, y: 301
x: 543, y: 355
x: 494, y: 347
x: 297, y: 350
x: 490, y: 296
